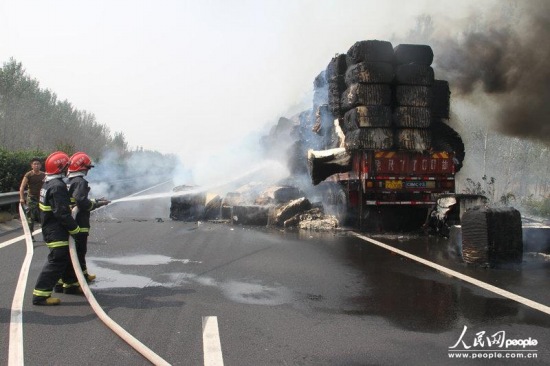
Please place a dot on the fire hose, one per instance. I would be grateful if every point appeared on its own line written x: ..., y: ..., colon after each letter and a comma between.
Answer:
x: 121, y: 332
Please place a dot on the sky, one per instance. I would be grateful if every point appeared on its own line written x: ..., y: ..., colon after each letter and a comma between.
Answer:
x: 182, y: 76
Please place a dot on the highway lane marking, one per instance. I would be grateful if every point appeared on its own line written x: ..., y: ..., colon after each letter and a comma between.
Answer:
x: 16, y: 350
x: 211, y: 344
x: 484, y: 285
x: 17, y: 239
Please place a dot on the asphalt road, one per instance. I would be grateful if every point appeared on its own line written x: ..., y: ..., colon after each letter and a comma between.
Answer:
x: 280, y: 298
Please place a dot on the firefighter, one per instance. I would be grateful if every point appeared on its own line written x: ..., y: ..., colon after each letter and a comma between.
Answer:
x: 79, y: 165
x: 57, y: 225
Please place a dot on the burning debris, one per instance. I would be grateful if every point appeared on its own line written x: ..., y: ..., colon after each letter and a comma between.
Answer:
x: 280, y: 206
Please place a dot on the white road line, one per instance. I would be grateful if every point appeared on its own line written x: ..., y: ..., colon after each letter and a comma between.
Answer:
x: 19, y: 238
x: 16, y: 353
x: 211, y: 345
x: 486, y: 286
x: 114, y: 326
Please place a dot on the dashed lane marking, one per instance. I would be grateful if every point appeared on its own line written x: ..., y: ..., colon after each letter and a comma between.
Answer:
x: 486, y: 286
x: 211, y: 344
x: 19, y: 238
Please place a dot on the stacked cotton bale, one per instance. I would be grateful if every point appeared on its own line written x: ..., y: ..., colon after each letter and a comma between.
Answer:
x: 492, y: 236
x: 414, y: 78
x: 335, y: 74
x: 366, y: 101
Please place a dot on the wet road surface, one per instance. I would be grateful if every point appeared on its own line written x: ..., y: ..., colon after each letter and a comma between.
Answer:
x: 281, y: 298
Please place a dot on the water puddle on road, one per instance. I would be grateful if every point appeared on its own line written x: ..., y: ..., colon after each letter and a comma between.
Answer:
x: 141, y: 260
x: 252, y: 293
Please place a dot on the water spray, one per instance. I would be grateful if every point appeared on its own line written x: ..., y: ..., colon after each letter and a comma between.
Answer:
x: 269, y: 164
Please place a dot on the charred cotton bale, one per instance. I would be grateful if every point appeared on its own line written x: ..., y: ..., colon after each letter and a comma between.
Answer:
x: 414, y: 74
x: 367, y: 116
x: 441, y: 99
x: 250, y: 215
x: 213, y: 208
x: 279, y: 214
x: 413, y: 53
x: 187, y: 204
x: 323, y: 164
x: 278, y: 195
x: 370, y: 73
x: 413, y: 139
x: 370, y: 51
x: 365, y: 94
x: 492, y: 236
x: 370, y: 138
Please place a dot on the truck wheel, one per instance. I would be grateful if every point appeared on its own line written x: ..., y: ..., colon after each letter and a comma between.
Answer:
x: 335, y: 202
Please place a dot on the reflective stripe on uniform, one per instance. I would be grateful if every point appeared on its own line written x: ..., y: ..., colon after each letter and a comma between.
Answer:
x: 57, y: 244
x: 75, y: 231
x: 67, y: 285
x: 44, y: 207
x: 84, y: 230
x: 43, y: 293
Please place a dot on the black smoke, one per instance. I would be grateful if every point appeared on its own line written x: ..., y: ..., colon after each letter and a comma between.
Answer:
x: 507, y: 58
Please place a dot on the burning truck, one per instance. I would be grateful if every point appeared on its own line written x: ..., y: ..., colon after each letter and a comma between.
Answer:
x: 376, y: 146
x: 377, y: 142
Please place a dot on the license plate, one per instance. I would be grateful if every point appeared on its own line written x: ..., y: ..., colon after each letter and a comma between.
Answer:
x: 393, y: 184
x: 413, y: 184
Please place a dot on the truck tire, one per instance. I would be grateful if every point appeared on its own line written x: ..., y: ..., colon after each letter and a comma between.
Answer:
x: 413, y: 53
x: 413, y: 95
x: 413, y: 74
x: 370, y: 73
x: 336, y: 202
x: 413, y: 139
x: 445, y: 138
x: 412, y: 117
x: 367, y: 116
x: 365, y: 94
x: 370, y: 138
x: 370, y: 51
x: 441, y: 99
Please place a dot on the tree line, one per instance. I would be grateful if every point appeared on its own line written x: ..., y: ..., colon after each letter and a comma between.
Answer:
x: 34, y: 123
x: 33, y: 118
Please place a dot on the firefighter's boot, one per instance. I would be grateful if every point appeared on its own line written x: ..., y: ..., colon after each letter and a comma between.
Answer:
x: 90, y: 277
x: 45, y: 301
x: 73, y: 289
x: 58, y: 287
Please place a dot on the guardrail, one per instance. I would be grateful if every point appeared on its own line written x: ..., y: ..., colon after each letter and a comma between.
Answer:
x: 9, y: 198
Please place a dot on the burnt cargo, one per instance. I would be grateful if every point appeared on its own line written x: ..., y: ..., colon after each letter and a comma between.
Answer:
x: 492, y: 236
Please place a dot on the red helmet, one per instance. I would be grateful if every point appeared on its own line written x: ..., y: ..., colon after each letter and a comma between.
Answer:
x: 80, y: 161
x: 57, y: 162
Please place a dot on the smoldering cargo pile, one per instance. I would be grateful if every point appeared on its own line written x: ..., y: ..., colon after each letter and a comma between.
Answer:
x: 382, y: 98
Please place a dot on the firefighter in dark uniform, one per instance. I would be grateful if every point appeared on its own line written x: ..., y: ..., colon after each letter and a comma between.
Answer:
x: 57, y: 225
x: 79, y: 165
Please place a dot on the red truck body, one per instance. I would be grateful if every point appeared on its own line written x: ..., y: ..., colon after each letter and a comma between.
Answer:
x: 397, y: 178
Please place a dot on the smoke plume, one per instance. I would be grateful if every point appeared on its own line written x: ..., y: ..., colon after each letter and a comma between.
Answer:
x: 507, y: 59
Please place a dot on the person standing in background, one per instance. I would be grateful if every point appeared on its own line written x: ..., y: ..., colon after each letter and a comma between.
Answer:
x: 32, y: 183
